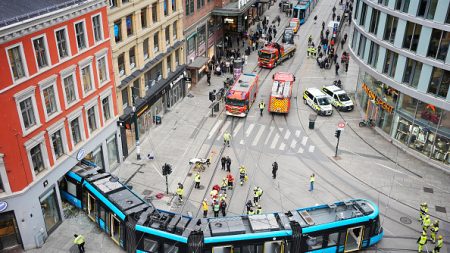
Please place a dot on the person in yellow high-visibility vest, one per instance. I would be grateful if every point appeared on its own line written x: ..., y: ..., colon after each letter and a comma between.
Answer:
x: 197, y: 181
x: 423, y: 210
x: 79, y: 241
x: 227, y: 138
x: 205, y: 208
x: 261, y: 107
x: 422, y: 241
x: 426, y: 223
x: 180, y: 192
x: 440, y: 243
x: 434, y: 230
x: 312, y: 178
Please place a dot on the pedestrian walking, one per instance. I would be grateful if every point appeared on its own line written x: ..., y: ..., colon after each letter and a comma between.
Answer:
x: 261, y: 107
x: 274, y: 32
x: 337, y: 68
x: 335, y: 57
x: 342, y: 43
x: 346, y: 66
x: 223, y: 161
x: 422, y: 241
x: 323, y: 25
x: 180, y: 192
x: 315, y: 19
x: 333, y: 16
x: 312, y: 178
x: 439, y: 245
x: 223, y: 207
x: 279, y: 20
x: 350, y: 19
x: 334, y: 9
x: 434, y: 230
x: 345, y: 38
x: 274, y: 169
x: 208, y: 78
x: 327, y: 32
x: 197, y: 181
x: 79, y: 241
x: 228, y: 164
x: 226, y: 138
x: 249, y: 205
x: 216, y: 208
x: 205, y: 208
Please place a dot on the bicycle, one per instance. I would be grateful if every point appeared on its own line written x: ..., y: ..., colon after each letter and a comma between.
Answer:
x: 367, y: 123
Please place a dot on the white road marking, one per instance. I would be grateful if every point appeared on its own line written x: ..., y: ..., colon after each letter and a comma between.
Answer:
x: 258, y: 135
x: 288, y: 133
x: 224, y: 128
x: 389, y: 168
x: 297, y: 133
x: 268, y: 136
x: 300, y: 150
x: 274, y: 142
x: 213, y: 130
x: 293, y: 143
x: 249, y: 130
x: 311, y: 148
x: 237, y: 128
x: 304, y: 140
x: 242, y: 142
x: 282, y: 146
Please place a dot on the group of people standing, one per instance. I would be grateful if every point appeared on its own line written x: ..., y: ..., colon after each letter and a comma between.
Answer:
x: 434, y: 229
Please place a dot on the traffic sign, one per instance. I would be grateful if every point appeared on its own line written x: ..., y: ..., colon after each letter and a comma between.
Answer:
x: 341, y: 125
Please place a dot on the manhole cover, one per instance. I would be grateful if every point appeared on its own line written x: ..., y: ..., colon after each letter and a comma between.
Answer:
x: 441, y: 209
x: 405, y: 220
x: 147, y: 192
x: 428, y: 190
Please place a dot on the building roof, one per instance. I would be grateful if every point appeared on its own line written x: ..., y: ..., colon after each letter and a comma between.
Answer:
x: 18, y: 10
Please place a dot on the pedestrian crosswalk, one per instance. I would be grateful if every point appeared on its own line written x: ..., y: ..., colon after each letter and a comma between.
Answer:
x: 253, y: 134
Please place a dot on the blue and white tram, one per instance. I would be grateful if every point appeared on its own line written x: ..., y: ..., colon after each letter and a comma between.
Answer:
x: 137, y: 226
x: 303, y: 9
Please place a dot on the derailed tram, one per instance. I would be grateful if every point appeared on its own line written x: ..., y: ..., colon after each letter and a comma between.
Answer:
x: 136, y: 226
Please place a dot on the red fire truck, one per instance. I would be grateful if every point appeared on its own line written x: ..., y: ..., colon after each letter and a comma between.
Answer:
x: 280, y: 97
x: 241, y: 95
x: 273, y: 54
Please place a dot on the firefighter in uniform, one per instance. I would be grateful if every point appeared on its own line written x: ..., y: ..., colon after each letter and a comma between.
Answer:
x: 205, y: 208
x: 226, y: 138
x: 251, y: 212
x: 426, y: 223
x: 440, y: 243
x: 242, y: 174
x: 261, y: 107
x: 434, y: 230
x: 423, y: 210
x: 422, y: 241
x: 197, y: 180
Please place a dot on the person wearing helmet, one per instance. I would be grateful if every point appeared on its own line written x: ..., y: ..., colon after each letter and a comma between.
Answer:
x: 434, y: 230
x: 440, y: 243
x: 422, y: 241
x: 261, y: 107
x: 259, y: 209
x: 255, y: 195
x: 423, y: 210
x: 205, y: 208
x: 426, y: 223
x: 242, y: 174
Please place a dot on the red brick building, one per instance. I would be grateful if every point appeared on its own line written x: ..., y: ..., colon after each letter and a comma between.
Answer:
x: 58, y: 106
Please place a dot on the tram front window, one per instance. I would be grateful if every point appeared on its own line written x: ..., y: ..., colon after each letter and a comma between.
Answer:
x: 273, y: 247
x: 296, y: 13
x: 302, y: 14
x: 353, y: 241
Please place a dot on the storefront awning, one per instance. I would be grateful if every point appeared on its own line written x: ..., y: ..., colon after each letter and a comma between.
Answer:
x: 198, y: 62
x: 232, y: 9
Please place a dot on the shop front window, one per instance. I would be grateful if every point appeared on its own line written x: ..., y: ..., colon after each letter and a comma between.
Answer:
x: 407, y: 104
x: 9, y: 236
x: 444, y: 125
x: 50, y: 210
x: 421, y: 139
x: 404, y: 127
x: 385, y: 121
x: 428, y: 114
x: 441, y: 149
x: 111, y: 144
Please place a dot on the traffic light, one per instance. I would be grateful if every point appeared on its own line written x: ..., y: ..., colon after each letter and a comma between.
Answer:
x: 166, y: 169
x: 337, y: 134
x: 212, y: 96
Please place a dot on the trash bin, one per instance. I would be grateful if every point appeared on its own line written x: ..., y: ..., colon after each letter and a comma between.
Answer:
x: 157, y: 119
x: 312, y: 120
x: 216, y: 107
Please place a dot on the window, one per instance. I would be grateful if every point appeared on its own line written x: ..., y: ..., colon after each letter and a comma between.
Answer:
x: 390, y: 63
x: 363, y: 14
x: 402, y: 5
x: 49, y: 100
x: 57, y: 144
x: 391, y: 28
x: 111, y: 144
x: 70, y: 89
x: 175, y: 30
x: 167, y: 34
x: 355, y: 16
x: 314, y: 242
x: 97, y: 26
x: 154, y: 13
x: 16, y: 61
x: 27, y: 112
x: 374, y: 21
x: 440, y: 80
x: 125, y: 98
x: 118, y: 30
x: 86, y: 79
x: 121, y: 64
x: 132, y: 57
x: 106, y: 107
x: 412, y: 72
x: 177, y: 58
x: 102, y: 69
x: 40, y: 52
x: 412, y: 34
x: 80, y: 35
x: 150, y: 245
x: 156, y: 42
x: 75, y: 127
x: 333, y: 239
x: 144, y: 17
x: 362, y: 46
x: 166, y: 7
x: 427, y: 8
x: 191, y: 44
x: 169, y: 63
x: 355, y: 36
x: 125, y: 1
x: 92, y: 119
x: 439, y: 44
x: 37, y: 159
x: 145, y: 47
x: 129, y: 22
x: 113, y: 3
x: 373, y: 54
x: 61, y: 43
x: 384, y: 2
x: 189, y: 7
x: 174, y: 5
x: 447, y: 20
x: 200, y: 4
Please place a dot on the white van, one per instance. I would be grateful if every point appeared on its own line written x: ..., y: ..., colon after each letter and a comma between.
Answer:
x: 338, y: 98
x: 318, y: 101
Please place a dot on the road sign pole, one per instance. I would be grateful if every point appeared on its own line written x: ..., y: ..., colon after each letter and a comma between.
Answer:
x: 167, y: 185
x: 337, y: 146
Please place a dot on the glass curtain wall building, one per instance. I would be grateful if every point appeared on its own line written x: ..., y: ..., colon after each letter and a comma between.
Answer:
x: 402, y: 48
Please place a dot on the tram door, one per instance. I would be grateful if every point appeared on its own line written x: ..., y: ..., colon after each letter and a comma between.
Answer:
x: 353, y: 239
x: 223, y: 249
x: 91, y: 207
x: 274, y: 247
x: 115, y: 229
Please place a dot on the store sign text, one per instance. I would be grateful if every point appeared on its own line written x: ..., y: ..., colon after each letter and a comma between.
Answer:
x: 378, y: 101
